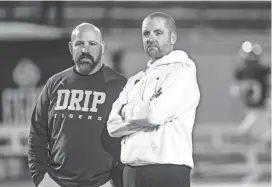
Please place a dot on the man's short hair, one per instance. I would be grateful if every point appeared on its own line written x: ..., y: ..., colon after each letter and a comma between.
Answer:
x: 169, y: 21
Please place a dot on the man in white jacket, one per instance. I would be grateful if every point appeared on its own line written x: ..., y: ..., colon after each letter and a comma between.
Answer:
x: 155, y: 112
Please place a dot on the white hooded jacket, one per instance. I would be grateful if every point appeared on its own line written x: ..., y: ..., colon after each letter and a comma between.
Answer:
x: 155, y: 113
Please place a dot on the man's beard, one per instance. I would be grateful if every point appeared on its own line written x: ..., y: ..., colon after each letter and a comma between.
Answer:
x: 153, y: 52
x: 86, y: 63
x: 157, y: 52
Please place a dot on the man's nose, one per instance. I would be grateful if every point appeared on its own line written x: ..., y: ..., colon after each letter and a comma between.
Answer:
x: 150, y: 40
x: 84, y: 50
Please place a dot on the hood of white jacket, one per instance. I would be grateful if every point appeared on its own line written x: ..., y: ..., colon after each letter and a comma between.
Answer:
x: 177, y: 56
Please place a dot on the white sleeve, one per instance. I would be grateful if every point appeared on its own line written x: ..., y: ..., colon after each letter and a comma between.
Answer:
x: 176, y: 96
x: 116, y: 125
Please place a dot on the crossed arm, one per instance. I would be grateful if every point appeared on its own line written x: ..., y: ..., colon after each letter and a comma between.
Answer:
x: 128, y: 118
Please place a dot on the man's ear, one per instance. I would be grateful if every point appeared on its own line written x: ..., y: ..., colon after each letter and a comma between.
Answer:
x: 70, y: 47
x: 173, y: 38
x: 103, y: 47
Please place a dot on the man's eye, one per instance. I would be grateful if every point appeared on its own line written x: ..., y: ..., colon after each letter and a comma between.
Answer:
x: 92, y: 43
x: 158, y: 33
x: 145, y: 33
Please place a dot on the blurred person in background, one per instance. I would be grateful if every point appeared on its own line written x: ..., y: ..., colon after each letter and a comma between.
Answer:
x: 155, y: 112
x: 117, y: 59
x: 68, y: 141
x: 252, y: 84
